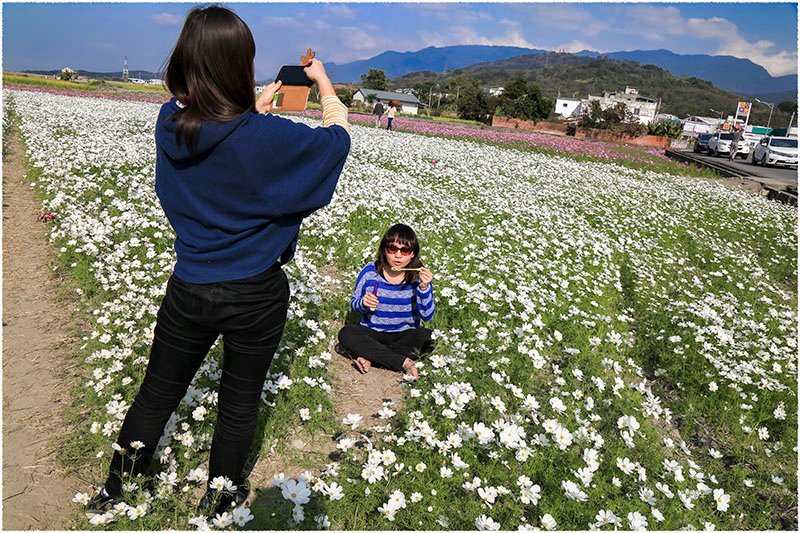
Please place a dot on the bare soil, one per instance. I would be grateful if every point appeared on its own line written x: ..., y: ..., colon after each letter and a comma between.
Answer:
x: 37, y: 372
x: 362, y: 394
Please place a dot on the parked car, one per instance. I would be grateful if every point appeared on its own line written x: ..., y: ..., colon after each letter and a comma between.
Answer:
x: 749, y: 142
x: 701, y: 142
x: 720, y: 144
x: 776, y: 151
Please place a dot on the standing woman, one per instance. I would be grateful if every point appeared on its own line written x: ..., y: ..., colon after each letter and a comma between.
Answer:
x: 390, y: 114
x: 235, y: 183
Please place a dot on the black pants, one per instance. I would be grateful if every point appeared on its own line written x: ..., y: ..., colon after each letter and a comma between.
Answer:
x: 386, y: 349
x: 389, y: 126
x: 250, y: 314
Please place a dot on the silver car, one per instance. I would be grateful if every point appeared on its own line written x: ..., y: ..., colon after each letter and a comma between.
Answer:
x: 776, y: 151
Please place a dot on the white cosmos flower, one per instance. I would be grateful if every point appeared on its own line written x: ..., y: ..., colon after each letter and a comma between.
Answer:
x: 242, y: 515
x: 548, y: 522
x: 722, y: 500
x: 352, y: 420
x: 637, y: 521
x: 486, y: 523
x: 296, y: 492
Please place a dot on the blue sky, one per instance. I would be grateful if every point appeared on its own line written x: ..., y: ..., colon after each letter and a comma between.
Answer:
x: 96, y: 36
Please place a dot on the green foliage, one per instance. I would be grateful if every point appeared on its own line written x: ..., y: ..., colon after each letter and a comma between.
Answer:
x: 617, y: 117
x: 665, y: 128
x: 345, y: 95
x: 68, y: 74
x: 787, y: 107
x: 374, y: 79
x: 472, y: 104
x: 521, y: 100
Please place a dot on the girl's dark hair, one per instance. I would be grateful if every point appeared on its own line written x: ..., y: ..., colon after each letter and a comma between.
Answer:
x: 404, y: 236
x: 210, y: 70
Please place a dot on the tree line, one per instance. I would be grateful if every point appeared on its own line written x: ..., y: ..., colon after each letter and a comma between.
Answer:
x: 464, y: 96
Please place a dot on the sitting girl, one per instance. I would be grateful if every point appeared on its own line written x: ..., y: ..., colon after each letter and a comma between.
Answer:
x: 393, y: 295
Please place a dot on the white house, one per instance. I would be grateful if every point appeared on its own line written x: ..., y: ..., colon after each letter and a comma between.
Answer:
x: 409, y: 103
x: 568, y: 107
x: 694, y: 125
x: 643, y: 108
x: 495, y: 91
x: 154, y: 81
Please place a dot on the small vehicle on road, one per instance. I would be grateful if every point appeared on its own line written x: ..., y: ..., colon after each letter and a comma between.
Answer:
x: 720, y: 145
x: 776, y: 151
x: 701, y: 142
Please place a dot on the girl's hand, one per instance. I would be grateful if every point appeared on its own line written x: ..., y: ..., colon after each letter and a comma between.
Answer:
x: 425, y: 278
x: 370, y: 301
x: 264, y: 102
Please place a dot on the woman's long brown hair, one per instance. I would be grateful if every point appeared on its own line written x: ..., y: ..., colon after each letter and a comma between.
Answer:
x: 210, y: 70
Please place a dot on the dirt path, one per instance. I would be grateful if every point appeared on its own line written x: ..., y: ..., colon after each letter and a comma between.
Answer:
x: 356, y: 393
x: 36, y: 366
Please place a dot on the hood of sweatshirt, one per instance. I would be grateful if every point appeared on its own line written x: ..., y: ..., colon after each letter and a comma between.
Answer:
x: 208, y: 136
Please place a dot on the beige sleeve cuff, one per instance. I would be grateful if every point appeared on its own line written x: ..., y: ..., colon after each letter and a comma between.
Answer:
x: 334, y: 112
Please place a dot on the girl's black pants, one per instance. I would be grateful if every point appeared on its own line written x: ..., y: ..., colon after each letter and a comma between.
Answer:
x: 388, y: 349
x: 250, y: 314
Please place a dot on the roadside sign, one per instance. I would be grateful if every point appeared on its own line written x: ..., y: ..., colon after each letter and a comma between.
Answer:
x: 744, y: 108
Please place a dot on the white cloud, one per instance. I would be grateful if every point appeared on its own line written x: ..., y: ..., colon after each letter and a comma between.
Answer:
x: 167, y: 19
x: 284, y: 22
x: 577, y: 46
x: 339, y: 11
x: 467, y: 35
x: 357, y: 39
x: 663, y: 24
x: 571, y: 18
x: 654, y: 22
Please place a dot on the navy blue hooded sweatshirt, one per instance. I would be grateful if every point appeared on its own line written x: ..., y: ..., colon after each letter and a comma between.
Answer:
x: 236, y: 201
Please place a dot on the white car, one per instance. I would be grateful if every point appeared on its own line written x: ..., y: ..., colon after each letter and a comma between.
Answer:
x: 720, y: 144
x: 776, y: 151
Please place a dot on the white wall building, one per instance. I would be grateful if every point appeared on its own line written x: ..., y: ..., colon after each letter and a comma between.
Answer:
x: 409, y: 103
x: 694, y: 125
x: 568, y: 107
x: 643, y: 108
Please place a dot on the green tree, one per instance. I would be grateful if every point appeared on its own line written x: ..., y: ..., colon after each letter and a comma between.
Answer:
x: 520, y: 100
x: 345, y: 96
x: 788, y: 107
x: 472, y: 102
x: 374, y: 79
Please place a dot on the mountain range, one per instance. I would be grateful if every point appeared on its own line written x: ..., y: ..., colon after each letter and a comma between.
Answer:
x: 740, y: 76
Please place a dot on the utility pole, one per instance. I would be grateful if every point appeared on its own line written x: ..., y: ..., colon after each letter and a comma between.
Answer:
x: 430, y: 94
x: 771, y: 107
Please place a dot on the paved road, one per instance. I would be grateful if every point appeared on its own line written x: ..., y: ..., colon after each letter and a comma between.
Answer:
x: 786, y: 176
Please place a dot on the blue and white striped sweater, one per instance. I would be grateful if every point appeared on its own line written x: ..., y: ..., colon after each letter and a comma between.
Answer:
x: 399, y: 307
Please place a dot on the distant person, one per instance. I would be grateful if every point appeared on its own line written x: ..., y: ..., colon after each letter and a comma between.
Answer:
x: 378, y: 112
x: 390, y: 115
x: 393, y: 295
x: 235, y: 183
x: 737, y: 136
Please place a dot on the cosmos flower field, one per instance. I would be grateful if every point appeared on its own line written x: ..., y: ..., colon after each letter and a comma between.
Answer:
x: 616, y: 348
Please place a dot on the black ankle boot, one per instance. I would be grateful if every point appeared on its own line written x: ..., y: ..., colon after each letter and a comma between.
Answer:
x: 100, y: 503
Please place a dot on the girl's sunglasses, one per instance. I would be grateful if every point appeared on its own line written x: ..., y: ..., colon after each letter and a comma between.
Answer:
x: 392, y: 249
